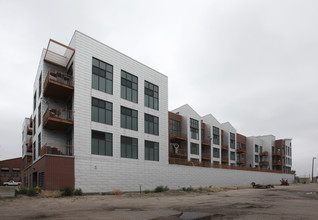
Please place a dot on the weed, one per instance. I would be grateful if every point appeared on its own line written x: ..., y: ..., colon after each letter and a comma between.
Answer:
x: 78, y: 192
x: 31, y: 191
x: 67, y: 191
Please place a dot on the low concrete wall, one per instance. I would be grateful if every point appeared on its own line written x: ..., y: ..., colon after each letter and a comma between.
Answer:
x: 7, y: 191
x: 104, y: 175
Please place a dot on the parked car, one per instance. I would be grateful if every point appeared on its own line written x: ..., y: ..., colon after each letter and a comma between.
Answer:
x: 11, y: 183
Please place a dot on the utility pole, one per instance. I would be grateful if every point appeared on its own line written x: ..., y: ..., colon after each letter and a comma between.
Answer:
x: 312, y: 169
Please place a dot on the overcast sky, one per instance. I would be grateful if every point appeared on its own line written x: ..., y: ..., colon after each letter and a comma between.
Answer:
x: 252, y: 63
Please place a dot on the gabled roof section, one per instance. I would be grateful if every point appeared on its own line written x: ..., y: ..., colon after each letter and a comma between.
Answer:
x: 228, y: 127
x: 58, y: 54
x: 211, y: 119
x: 186, y: 110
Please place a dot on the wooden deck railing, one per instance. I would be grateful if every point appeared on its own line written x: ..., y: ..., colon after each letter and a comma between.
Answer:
x: 57, y: 149
x: 185, y: 162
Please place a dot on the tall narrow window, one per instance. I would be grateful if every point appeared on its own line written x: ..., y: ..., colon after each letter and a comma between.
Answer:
x: 151, y: 95
x: 34, y: 101
x: 216, y: 135
x: 232, y: 155
x: 194, y: 148
x: 102, y: 111
x: 39, y: 115
x: 129, y: 147
x: 128, y: 118
x: 232, y: 140
x: 102, y: 143
x: 151, y: 124
x: 129, y: 87
x: 40, y: 85
x: 216, y: 152
x: 194, y: 128
x: 102, y: 76
x: 34, y: 125
x: 174, y: 127
x: 151, y: 150
x: 39, y: 144
x: 256, y: 148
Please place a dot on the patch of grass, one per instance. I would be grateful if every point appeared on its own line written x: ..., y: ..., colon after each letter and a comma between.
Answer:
x: 67, y: 191
x: 78, y: 192
x: 147, y: 191
x: 23, y: 191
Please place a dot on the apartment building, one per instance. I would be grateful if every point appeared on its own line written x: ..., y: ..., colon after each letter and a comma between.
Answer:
x: 99, y: 122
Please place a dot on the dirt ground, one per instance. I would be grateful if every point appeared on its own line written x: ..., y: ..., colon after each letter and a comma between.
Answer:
x: 282, y: 202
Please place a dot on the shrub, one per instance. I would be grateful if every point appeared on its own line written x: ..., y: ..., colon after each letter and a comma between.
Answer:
x: 161, y: 189
x: 147, y: 191
x: 188, y: 189
x: 78, y: 192
x: 67, y: 191
x: 31, y: 191
x: 23, y: 190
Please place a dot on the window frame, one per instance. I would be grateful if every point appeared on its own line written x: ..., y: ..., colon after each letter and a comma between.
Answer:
x: 128, y: 144
x: 126, y: 84
x: 108, y: 143
x: 150, y: 93
x: 108, y: 108
x: 128, y: 115
x: 151, y: 126
x: 102, y: 71
x: 154, y: 146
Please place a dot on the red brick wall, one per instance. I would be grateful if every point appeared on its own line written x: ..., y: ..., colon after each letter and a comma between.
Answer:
x: 11, y: 163
x: 58, y: 172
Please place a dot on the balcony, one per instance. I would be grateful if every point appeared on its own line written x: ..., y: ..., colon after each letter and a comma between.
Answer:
x: 57, y: 149
x: 225, y: 147
x: 277, y: 163
x: 178, y: 153
x: 178, y: 136
x: 264, y: 154
x: 241, y: 161
x: 206, y: 156
x: 58, y: 85
x: 58, y: 54
x: 241, y: 150
x: 29, y: 144
x: 277, y: 154
x: 225, y: 159
x: 57, y: 118
x: 206, y: 142
x: 29, y: 149
x: 264, y: 163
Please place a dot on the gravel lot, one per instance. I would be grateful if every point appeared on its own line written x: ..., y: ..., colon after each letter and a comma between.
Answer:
x: 282, y: 202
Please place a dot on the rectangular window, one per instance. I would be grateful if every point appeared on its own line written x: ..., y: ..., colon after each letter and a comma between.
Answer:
x: 102, y: 143
x: 151, y: 124
x: 102, y: 111
x: 194, y: 148
x: 194, y: 123
x: 34, y: 125
x: 232, y: 155
x: 216, y: 152
x: 151, y: 95
x: 39, y: 144
x: 256, y: 148
x: 194, y: 133
x: 216, y: 135
x: 128, y: 118
x: 34, y: 101
x: 33, y: 150
x: 151, y: 150
x: 129, y: 87
x: 256, y: 158
x: 102, y: 76
x: 129, y: 147
x: 174, y: 127
x: 41, y: 179
x: 40, y: 85
x: 232, y: 140
x: 39, y: 115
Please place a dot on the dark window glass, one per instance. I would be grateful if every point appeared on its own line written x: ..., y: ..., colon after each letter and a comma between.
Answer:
x: 194, y: 133
x: 34, y: 101
x: 216, y: 152
x: 34, y: 125
x: 216, y: 135
x: 194, y: 148
x: 129, y: 87
x: 41, y: 179
x: 151, y: 150
x: 39, y: 144
x: 40, y: 85
x: 194, y: 123
x: 232, y: 155
x: 102, y: 111
x: 256, y: 158
x: 151, y: 95
x: 256, y: 148
x: 102, y: 77
x: 128, y: 118
x: 174, y: 127
x: 151, y: 124
x: 102, y: 143
x: 39, y: 115
x: 129, y: 147
x: 232, y: 140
